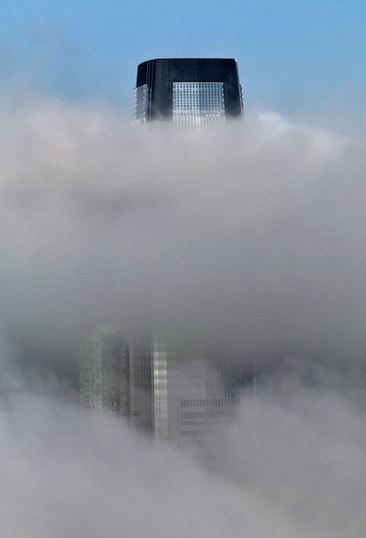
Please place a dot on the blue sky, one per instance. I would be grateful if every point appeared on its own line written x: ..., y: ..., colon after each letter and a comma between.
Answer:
x: 295, y: 56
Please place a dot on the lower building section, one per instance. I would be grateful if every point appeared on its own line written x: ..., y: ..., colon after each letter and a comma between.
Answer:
x: 165, y: 387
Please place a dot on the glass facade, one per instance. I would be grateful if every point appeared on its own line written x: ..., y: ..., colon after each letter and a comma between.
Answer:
x: 189, y: 397
x: 141, y: 389
x: 163, y: 357
x: 198, y: 102
x: 104, y: 372
x: 140, y: 103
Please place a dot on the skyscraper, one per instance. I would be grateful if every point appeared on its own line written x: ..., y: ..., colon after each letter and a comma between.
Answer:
x: 160, y: 381
x: 187, y: 90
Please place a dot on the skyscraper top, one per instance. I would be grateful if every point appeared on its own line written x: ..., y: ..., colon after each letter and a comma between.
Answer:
x: 188, y: 60
x: 187, y: 90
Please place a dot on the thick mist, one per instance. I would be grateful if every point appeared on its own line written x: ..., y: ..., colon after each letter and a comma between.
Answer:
x: 248, y: 238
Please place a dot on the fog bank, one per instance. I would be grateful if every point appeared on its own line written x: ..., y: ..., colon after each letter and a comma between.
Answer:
x: 248, y: 238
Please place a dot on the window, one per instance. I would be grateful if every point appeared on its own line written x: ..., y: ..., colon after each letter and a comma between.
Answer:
x: 198, y: 102
x: 140, y: 102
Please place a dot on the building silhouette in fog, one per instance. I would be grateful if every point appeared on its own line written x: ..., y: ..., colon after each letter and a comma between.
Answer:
x: 163, y: 385
x: 187, y: 90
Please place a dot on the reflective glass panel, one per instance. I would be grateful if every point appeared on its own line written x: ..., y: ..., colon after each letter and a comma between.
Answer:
x: 198, y: 102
